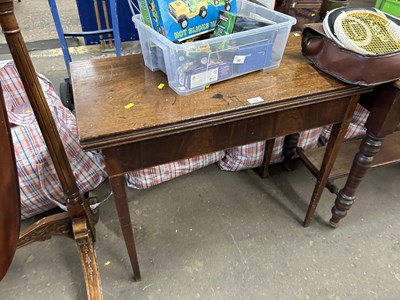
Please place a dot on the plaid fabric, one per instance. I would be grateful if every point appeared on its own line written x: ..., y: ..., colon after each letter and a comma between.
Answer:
x: 252, y: 155
x: 142, y: 179
x: 39, y: 184
x: 356, y: 127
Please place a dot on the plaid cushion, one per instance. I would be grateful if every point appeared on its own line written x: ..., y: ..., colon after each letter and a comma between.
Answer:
x: 249, y: 156
x: 39, y: 184
x: 252, y: 155
x: 142, y: 179
x: 356, y: 126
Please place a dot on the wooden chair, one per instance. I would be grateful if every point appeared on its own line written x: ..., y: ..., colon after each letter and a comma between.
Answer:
x: 10, y: 203
x: 78, y: 221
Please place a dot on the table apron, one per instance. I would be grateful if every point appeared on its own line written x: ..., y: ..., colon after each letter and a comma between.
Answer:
x: 147, y: 153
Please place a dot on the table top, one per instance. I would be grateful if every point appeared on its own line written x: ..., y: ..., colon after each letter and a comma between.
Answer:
x: 103, y: 87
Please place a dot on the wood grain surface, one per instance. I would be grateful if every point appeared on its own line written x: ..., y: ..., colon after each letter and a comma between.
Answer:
x: 103, y: 87
x: 9, y: 189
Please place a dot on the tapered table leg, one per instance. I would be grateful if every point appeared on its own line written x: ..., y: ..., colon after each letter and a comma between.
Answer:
x: 263, y: 170
x: 383, y: 120
x: 331, y: 152
x: 121, y: 203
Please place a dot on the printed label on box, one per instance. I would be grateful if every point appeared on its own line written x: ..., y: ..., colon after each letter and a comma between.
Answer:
x: 239, y: 59
x: 203, y: 78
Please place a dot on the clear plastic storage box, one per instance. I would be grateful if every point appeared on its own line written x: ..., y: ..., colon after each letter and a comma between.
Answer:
x: 190, y: 67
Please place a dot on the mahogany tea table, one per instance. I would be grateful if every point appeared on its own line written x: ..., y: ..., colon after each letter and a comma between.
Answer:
x: 121, y: 111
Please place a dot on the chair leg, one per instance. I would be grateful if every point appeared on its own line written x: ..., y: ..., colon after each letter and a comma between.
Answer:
x: 45, y: 228
x: 85, y: 245
x: 60, y: 225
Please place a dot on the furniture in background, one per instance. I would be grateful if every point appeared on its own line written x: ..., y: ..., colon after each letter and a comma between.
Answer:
x: 305, y: 11
x: 139, y: 125
x: 380, y: 147
x: 328, y: 5
x: 103, y: 33
x: 78, y: 221
x: 108, y: 36
x: 384, y: 105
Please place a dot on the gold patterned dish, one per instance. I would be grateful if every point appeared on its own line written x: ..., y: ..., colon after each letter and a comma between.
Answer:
x: 366, y: 32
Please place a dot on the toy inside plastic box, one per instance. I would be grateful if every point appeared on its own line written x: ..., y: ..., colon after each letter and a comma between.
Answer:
x: 181, y: 19
x: 190, y: 67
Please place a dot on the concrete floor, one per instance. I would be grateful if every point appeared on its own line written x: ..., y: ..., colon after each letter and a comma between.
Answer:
x: 35, y: 20
x: 220, y: 235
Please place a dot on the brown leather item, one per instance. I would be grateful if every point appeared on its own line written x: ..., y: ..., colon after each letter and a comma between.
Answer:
x: 346, y: 65
x: 9, y: 194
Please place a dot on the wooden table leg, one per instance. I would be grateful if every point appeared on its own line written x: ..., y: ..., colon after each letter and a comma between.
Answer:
x: 263, y: 170
x: 121, y: 203
x: 383, y: 120
x: 289, y: 150
x: 332, y: 149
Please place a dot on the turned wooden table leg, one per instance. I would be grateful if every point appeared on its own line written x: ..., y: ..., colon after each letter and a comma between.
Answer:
x: 369, y: 147
x: 289, y: 150
x: 383, y: 119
